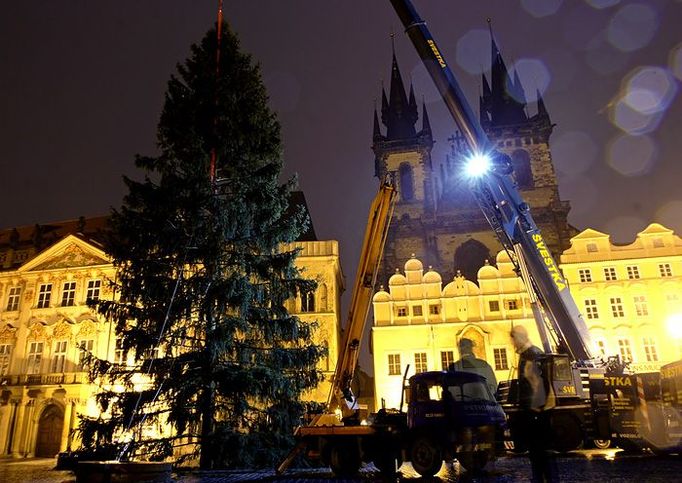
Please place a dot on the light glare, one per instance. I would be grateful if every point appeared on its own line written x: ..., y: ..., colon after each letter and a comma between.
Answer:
x: 477, y: 165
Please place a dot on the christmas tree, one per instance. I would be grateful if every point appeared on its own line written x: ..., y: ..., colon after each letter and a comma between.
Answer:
x: 206, y: 348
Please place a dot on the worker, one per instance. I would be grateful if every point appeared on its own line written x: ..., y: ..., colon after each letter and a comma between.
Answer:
x: 468, y: 362
x: 534, y: 405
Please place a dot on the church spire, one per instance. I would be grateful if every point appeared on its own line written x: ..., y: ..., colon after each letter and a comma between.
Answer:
x: 399, y: 113
x: 506, y: 102
x: 542, y: 110
x: 377, y: 131
x: 426, y: 124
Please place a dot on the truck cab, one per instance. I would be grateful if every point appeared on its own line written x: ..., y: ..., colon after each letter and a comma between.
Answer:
x: 451, y: 415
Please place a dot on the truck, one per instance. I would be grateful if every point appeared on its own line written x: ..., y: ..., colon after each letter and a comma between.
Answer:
x: 448, y: 414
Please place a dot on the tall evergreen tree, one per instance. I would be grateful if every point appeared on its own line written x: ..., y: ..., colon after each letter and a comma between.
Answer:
x: 203, y: 276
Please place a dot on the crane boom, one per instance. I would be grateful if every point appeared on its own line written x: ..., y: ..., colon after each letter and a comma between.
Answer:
x: 497, y: 195
x: 379, y: 220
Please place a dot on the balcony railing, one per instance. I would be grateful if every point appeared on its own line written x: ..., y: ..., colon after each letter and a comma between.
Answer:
x: 44, y: 379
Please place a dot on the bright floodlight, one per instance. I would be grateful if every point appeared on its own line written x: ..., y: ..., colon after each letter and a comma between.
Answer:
x: 477, y: 165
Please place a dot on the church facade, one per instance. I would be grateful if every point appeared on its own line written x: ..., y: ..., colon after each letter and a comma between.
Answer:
x: 436, y: 217
x: 47, y: 273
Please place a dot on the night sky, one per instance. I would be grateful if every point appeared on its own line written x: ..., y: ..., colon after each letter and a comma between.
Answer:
x: 82, y: 87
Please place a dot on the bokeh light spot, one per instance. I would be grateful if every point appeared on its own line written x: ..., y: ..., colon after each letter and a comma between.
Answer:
x: 534, y: 75
x: 650, y: 89
x: 632, y: 155
x: 602, y: 4
x: 675, y: 61
x: 670, y: 215
x: 541, y: 8
x: 624, y: 229
x: 632, y: 27
x: 574, y: 152
x: 633, y: 121
x: 470, y: 50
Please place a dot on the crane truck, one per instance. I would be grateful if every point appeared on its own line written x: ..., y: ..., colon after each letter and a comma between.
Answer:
x: 449, y: 414
x: 557, y: 317
x: 594, y: 400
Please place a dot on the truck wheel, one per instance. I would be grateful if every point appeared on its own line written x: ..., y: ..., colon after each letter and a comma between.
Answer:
x: 344, y: 458
x: 426, y: 457
x: 473, y: 461
x: 567, y: 434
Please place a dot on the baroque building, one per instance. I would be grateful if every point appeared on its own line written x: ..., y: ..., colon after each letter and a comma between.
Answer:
x: 436, y: 217
x: 630, y: 297
x: 47, y: 274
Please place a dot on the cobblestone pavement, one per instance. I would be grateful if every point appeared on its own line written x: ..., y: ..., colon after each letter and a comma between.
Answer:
x: 585, y: 466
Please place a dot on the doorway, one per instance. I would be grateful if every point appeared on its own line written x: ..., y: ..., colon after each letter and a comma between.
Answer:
x: 49, y: 432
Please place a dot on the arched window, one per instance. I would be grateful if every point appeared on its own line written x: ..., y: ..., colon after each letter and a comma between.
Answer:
x: 470, y: 256
x: 406, y: 182
x: 523, y: 174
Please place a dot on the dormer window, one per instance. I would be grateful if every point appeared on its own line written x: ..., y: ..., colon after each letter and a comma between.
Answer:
x: 592, y: 247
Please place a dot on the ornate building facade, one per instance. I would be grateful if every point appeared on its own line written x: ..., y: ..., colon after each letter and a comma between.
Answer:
x: 630, y: 297
x: 436, y: 217
x: 47, y: 275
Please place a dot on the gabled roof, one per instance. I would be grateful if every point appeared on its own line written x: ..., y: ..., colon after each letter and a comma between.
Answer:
x: 71, y: 251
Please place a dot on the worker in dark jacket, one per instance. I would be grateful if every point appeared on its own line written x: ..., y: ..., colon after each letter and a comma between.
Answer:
x: 468, y: 362
x: 534, y: 404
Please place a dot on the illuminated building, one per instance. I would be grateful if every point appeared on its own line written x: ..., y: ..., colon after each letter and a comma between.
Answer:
x: 46, y: 275
x: 419, y: 321
x: 629, y: 295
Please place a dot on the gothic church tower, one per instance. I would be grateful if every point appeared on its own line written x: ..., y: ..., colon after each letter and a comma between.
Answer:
x: 436, y: 218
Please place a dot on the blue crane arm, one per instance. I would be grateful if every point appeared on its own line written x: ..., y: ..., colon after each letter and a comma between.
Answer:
x: 497, y: 195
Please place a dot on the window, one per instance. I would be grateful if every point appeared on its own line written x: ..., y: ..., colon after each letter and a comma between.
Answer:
x: 308, y: 302
x: 650, y: 349
x: 420, y: 362
x: 665, y: 270
x: 633, y: 272
x: 119, y: 353
x: 512, y: 305
x: 500, y: 355
x: 94, y: 287
x: 394, y: 364
x: 591, y: 309
x: 13, y: 299
x: 610, y: 273
x: 5, y: 354
x: 59, y: 356
x: 406, y: 183
x: 641, y: 306
x: 592, y: 247
x: 402, y: 311
x: 585, y: 275
x: 625, y: 350
x: 69, y: 294
x: 35, y: 357
x: 617, y: 307
x: 672, y: 299
x: 84, y: 346
x: 44, y: 295
x: 658, y: 243
x: 447, y: 358
x: 417, y: 310
x: 601, y: 348
x: 494, y: 305
x: 434, y: 309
